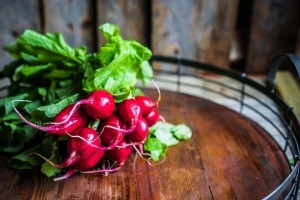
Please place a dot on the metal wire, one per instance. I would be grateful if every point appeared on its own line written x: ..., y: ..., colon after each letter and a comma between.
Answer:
x: 287, y: 126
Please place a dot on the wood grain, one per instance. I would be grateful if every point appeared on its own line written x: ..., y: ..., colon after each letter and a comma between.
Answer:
x: 131, y: 16
x: 228, y: 157
x: 74, y: 19
x: 14, y: 19
x: 200, y: 29
x: 274, y: 28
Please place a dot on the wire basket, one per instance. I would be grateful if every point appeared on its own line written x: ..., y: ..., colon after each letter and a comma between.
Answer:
x: 248, y: 97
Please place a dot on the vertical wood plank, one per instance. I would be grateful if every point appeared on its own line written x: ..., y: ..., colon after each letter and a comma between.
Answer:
x: 273, y: 31
x: 131, y: 16
x: 74, y: 19
x: 15, y: 17
x: 195, y: 29
x: 298, y: 42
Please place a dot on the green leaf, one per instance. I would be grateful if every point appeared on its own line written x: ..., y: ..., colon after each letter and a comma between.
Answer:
x: 47, y: 48
x: 59, y: 74
x: 47, y: 168
x: 13, y: 136
x: 28, y: 159
x: 23, y: 135
x: 145, y: 73
x: 13, y: 50
x: 11, y: 116
x: 109, y: 31
x: 28, y: 70
x: 6, y: 103
x: 10, y: 68
x: 121, y: 73
x: 42, y: 91
x: 156, y: 148
x: 182, y: 132
x: 121, y: 61
x: 107, y: 53
x: 6, y: 135
x: 163, y: 133
x: 30, y: 107
x: 29, y: 58
x: 15, y: 132
x: 49, y: 111
x: 165, y: 137
x: 161, y: 126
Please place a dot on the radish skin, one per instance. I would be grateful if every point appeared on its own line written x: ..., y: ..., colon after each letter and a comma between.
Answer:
x: 112, y: 135
x: 99, y: 105
x: 63, y: 123
x: 152, y: 117
x: 120, y: 153
x: 146, y: 104
x: 140, y: 133
x: 130, y: 111
x: 79, y: 149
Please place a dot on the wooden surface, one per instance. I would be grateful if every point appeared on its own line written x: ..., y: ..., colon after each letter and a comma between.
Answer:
x: 228, y: 157
x: 131, y: 16
x: 201, y: 29
x: 14, y: 19
x: 206, y: 30
x: 274, y: 28
x: 74, y: 19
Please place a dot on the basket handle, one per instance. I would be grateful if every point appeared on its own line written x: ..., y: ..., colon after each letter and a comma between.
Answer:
x: 275, y: 64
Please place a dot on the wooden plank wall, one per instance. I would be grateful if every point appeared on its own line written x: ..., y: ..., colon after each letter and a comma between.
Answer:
x: 274, y: 26
x: 213, y: 31
x: 14, y: 19
x: 199, y: 29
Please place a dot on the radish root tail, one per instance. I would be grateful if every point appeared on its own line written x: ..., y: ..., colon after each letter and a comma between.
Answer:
x: 158, y: 91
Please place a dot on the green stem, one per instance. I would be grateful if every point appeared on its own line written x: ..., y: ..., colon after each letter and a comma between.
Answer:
x: 94, y: 124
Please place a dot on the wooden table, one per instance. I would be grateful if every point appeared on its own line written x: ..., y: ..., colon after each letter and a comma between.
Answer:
x: 228, y: 157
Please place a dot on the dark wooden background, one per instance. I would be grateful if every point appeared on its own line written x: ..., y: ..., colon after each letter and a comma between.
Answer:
x: 237, y: 34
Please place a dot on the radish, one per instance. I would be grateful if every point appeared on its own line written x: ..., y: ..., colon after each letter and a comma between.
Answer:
x: 86, y: 164
x: 90, y: 162
x: 80, y: 149
x: 120, y: 153
x: 111, y: 135
x: 152, y: 117
x: 140, y: 133
x: 99, y: 104
x: 130, y: 111
x: 146, y: 104
x: 63, y: 123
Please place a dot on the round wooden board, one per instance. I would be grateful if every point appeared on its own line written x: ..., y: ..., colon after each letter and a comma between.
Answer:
x: 228, y: 157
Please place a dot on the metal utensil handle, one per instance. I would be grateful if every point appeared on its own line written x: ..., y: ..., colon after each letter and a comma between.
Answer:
x: 275, y: 64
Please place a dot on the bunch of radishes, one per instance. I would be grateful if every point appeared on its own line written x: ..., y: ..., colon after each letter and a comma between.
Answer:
x: 120, y: 127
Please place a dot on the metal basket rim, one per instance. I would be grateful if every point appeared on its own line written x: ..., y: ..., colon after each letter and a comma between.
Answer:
x: 294, y: 175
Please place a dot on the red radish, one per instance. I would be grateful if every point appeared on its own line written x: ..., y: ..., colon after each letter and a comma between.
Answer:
x: 86, y: 164
x: 112, y: 130
x: 120, y: 153
x: 90, y: 162
x: 100, y: 104
x: 130, y: 111
x: 146, y: 104
x: 61, y: 125
x: 83, y: 144
x: 140, y: 133
x: 152, y: 117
